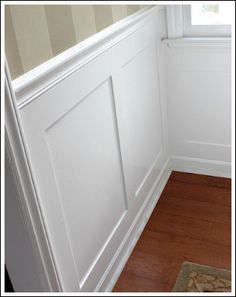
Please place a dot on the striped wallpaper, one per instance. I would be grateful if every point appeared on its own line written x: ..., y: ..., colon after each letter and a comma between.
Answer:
x: 36, y: 33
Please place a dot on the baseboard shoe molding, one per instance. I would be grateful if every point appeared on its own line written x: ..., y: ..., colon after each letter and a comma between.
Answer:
x: 201, y: 166
x: 124, y: 251
x: 177, y: 163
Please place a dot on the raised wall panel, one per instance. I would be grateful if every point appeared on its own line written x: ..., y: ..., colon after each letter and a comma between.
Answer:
x: 71, y: 136
x: 88, y: 174
x: 140, y: 121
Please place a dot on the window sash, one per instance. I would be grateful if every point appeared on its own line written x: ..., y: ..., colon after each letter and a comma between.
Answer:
x: 190, y: 30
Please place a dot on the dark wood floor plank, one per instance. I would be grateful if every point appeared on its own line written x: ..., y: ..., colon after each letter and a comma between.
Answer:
x: 147, y: 265
x: 191, y: 222
x: 196, y: 192
x: 211, y: 181
x: 134, y: 283
x: 164, y: 244
x: 195, y: 209
x: 220, y: 234
x: 179, y: 225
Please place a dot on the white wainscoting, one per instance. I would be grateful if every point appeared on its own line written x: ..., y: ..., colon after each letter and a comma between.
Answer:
x: 94, y: 143
x: 199, y: 105
x: 94, y: 128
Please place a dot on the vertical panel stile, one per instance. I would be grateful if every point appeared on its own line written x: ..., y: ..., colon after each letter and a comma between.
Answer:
x: 117, y: 93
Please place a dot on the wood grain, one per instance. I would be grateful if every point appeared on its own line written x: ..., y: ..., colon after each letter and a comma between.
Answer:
x: 191, y: 222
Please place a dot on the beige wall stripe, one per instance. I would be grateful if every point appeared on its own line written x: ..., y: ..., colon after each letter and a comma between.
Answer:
x: 60, y: 27
x: 119, y: 12
x: 36, y: 33
x: 103, y: 16
x: 84, y: 21
x: 11, y: 47
x: 132, y: 8
x: 31, y: 34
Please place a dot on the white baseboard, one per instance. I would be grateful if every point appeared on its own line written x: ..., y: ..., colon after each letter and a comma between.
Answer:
x: 201, y: 166
x: 177, y: 163
x: 124, y: 251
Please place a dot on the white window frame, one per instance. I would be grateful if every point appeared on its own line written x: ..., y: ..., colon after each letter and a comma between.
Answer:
x: 179, y: 24
x: 190, y: 30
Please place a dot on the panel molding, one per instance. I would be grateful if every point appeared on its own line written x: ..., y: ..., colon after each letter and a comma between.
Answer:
x: 201, y: 166
x: 209, y: 143
x: 34, y: 83
x: 40, y: 151
x: 148, y: 174
x: 114, y: 110
x: 203, y: 150
x: 130, y: 108
x: 207, y: 150
x: 68, y: 237
x: 113, y: 271
x: 82, y: 278
x: 199, y: 42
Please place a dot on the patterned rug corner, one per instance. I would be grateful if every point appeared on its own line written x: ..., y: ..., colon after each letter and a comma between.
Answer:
x: 201, y: 278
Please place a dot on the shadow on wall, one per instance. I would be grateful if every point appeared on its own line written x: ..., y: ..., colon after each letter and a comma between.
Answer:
x: 8, y: 284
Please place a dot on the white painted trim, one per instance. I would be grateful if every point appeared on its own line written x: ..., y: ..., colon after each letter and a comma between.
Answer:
x: 126, y: 247
x: 26, y: 194
x: 30, y: 85
x: 226, y: 146
x: 212, y: 42
x: 202, y: 30
x: 177, y: 163
x: 174, y: 18
x: 33, y: 83
x: 148, y: 173
x: 179, y: 24
x: 201, y: 166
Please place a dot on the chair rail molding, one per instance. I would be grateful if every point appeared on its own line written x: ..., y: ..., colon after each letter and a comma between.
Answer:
x: 33, y: 83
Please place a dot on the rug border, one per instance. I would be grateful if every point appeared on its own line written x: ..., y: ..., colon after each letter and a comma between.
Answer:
x: 187, y: 267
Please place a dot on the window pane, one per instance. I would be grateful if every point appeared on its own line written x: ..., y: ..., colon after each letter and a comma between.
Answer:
x: 211, y: 14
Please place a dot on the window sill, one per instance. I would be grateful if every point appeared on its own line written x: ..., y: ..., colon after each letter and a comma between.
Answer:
x: 219, y: 42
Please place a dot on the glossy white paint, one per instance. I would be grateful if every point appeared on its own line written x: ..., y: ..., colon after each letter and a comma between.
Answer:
x: 96, y: 149
x: 199, y: 105
x: 139, y: 122
x: 93, y: 143
x: 29, y: 239
x: 174, y: 19
x: 89, y: 179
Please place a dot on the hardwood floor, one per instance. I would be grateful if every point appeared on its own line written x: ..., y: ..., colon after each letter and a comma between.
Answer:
x: 191, y: 222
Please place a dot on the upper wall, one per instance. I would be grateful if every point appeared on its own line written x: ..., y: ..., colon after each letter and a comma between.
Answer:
x: 36, y: 33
